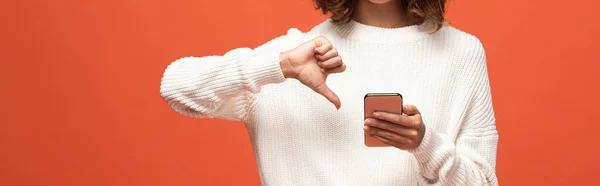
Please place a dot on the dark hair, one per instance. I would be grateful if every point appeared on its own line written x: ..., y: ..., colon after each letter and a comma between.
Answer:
x: 417, y: 11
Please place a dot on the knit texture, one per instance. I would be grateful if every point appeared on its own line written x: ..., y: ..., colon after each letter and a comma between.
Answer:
x: 299, y: 138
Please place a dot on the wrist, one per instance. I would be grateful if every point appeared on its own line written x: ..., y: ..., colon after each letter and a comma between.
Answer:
x: 286, y: 66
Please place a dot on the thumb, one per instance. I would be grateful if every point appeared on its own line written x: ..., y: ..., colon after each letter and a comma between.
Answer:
x: 410, y: 110
x: 327, y: 93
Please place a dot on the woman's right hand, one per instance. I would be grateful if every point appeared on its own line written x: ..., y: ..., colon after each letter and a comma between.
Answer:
x: 310, y: 63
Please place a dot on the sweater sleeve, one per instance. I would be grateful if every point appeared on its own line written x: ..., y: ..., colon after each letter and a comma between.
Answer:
x: 222, y: 86
x: 471, y: 158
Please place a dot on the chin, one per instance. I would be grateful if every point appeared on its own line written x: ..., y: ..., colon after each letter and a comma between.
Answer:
x: 379, y: 1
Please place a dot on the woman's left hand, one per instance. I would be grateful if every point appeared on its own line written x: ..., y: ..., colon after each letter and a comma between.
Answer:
x: 401, y: 131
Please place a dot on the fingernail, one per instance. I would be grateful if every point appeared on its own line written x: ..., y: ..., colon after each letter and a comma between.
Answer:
x: 376, y: 114
x: 366, y: 128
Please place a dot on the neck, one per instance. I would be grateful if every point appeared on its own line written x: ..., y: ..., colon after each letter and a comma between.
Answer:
x: 386, y: 15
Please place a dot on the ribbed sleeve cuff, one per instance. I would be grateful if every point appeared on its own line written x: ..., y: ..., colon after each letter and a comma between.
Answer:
x: 264, y: 69
x: 431, y: 148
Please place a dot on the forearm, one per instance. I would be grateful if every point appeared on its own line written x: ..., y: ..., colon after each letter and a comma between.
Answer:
x: 219, y: 86
x: 223, y: 86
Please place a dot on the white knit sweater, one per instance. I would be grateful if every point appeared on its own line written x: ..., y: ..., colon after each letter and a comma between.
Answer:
x: 299, y: 138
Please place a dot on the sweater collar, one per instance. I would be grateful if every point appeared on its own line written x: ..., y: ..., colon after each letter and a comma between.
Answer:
x: 358, y: 31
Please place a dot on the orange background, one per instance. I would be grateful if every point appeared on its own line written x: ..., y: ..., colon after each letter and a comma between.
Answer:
x: 81, y: 104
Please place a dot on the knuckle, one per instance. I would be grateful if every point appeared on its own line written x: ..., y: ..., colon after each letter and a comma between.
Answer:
x: 377, y: 124
x: 417, y: 123
x: 383, y: 139
x: 413, y: 133
x: 320, y: 88
x: 389, y: 136
x: 397, y: 120
x: 399, y: 139
x: 329, y: 46
x: 375, y: 131
x: 334, y: 52
x: 336, y: 61
x: 331, y: 65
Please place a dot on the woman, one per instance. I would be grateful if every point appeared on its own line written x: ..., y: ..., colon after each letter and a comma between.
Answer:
x: 281, y: 90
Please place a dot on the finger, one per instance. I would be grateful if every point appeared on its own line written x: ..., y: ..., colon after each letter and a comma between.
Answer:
x: 390, y: 142
x: 322, y: 50
x: 320, y: 41
x: 403, y: 120
x: 330, y: 54
x: 338, y: 69
x: 391, y: 136
x: 408, y: 133
x: 410, y: 110
x: 327, y: 93
x: 331, y: 63
x: 322, y: 45
x: 383, y: 138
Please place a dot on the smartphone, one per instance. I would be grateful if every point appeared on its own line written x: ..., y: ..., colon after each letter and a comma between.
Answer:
x: 386, y: 102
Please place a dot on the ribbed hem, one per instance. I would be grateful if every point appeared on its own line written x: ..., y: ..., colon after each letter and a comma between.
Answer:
x: 359, y: 31
x: 429, y: 146
x: 265, y: 69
